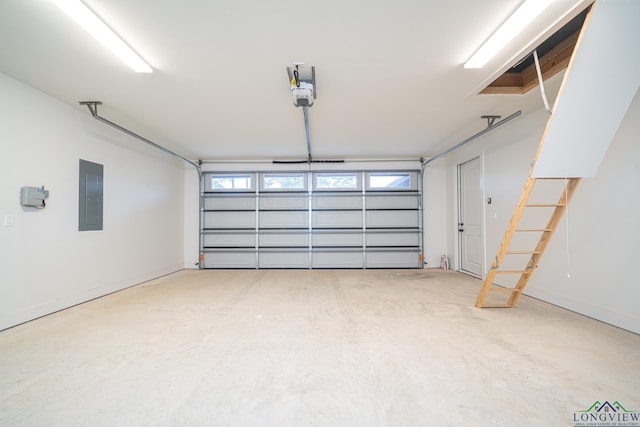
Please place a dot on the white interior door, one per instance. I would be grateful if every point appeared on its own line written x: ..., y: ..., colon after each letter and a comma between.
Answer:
x: 470, y: 217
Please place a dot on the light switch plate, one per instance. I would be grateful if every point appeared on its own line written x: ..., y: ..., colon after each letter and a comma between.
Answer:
x: 8, y: 220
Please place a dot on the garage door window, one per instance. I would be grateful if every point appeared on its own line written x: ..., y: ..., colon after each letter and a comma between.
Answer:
x: 336, y: 181
x: 231, y: 182
x: 284, y: 182
x: 389, y: 181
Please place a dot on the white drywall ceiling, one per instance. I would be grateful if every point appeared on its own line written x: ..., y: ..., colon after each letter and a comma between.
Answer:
x: 390, y: 75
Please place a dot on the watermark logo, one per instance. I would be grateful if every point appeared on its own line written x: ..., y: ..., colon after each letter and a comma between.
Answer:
x: 606, y: 414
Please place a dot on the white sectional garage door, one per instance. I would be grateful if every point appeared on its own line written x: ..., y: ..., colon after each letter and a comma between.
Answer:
x: 364, y: 219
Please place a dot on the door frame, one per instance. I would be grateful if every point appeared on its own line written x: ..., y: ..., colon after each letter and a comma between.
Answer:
x: 458, y: 212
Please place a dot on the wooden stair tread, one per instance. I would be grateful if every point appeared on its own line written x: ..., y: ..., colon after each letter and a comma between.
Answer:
x: 545, y: 233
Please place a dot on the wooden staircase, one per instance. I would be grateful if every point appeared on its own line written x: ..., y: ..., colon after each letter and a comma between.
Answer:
x: 555, y: 166
x: 534, y: 253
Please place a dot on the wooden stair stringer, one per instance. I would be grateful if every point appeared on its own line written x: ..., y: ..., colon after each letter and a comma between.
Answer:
x: 545, y: 238
x: 512, y: 227
x: 506, y: 239
x: 536, y: 253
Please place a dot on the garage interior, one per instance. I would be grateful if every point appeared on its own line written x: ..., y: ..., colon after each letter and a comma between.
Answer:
x: 243, y: 238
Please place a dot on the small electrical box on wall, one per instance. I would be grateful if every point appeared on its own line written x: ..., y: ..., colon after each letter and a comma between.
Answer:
x: 33, y: 197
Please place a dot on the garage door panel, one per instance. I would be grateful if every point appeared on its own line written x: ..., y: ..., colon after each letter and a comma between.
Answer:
x: 284, y: 202
x: 284, y: 239
x: 337, y: 239
x: 230, y: 203
x: 392, y: 202
x: 337, y: 202
x: 337, y: 259
x: 283, y: 259
x: 327, y: 219
x: 393, y: 259
x: 407, y: 238
x: 284, y: 219
x: 337, y: 219
x: 230, y: 259
x: 392, y: 219
x: 229, y: 220
x: 228, y: 240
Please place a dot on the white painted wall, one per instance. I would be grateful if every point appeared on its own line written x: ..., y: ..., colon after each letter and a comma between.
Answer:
x: 435, y: 213
x: 604, y: 238
x: 191, y: 218
x: 505, y: 155
x: 46, y: 264
x: 603, y: 226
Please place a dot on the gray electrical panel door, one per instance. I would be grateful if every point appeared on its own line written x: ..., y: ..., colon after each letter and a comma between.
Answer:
x: 91, y: 187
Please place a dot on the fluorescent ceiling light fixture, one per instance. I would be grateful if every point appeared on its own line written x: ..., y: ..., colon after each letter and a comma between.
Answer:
x: 98, y: 29
x: 526, y: 13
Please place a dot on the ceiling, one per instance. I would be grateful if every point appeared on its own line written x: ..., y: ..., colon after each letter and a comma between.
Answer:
x: 390, y: 76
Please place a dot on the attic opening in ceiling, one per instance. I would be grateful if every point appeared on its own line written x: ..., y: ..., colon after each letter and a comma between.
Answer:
x: 554, y: 55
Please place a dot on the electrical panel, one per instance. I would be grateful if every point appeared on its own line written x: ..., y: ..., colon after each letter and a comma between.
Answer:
x: 33, y: 197
x: 91, y: 186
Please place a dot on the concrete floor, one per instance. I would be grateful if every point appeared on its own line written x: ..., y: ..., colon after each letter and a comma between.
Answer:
x: 311, y: 348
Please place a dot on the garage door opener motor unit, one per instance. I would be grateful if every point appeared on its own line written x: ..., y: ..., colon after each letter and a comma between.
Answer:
x: 302, y: 88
